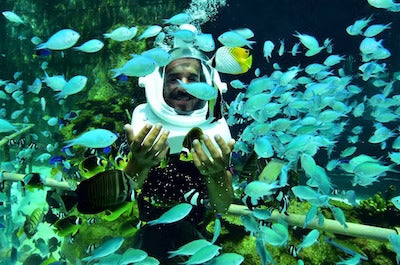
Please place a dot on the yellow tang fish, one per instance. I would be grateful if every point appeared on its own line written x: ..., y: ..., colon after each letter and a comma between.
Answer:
x: 232, y: 60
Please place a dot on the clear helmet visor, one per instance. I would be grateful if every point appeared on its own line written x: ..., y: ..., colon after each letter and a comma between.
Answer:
x: 154, y: 88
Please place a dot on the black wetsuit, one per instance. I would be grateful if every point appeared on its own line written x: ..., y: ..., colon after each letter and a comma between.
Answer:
x: 165, y: 187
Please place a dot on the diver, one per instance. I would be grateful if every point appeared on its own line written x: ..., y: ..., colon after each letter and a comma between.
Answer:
x: 181, y: 150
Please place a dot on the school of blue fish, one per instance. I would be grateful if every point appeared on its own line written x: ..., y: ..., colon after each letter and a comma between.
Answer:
x: 282, y: 121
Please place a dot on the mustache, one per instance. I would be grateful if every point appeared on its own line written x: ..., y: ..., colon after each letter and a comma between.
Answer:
x: 179, y: 94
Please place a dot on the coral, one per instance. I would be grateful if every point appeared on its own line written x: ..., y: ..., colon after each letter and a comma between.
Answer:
x: 377, y: 210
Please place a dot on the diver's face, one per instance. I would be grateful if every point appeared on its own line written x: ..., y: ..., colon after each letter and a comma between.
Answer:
x: 187, y: 70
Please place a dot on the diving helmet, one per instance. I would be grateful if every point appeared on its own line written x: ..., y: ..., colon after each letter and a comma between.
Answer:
x: 158, y: 111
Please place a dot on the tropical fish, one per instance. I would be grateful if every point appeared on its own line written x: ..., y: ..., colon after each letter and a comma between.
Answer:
x: 351, y: 261
x: 148, y: 261
x: 267, y: 49
x: 138, y: 66
x: 309, y: 240
x: 396, y: 201
x: 358, y: 25
x: 262, y: 251
x: 310, y: 195
x: 232, y: 60
x: 11, y: 16
x: 310, y: 42
x: 263, y: 147
x: 339, y: 216
x: 277, y: 235
x: 205, y: 42
x: 61, y: 40
x: 106, y: 248
x: 97, y: 138
x: 227, y: 258
x: 159, y: 55
x: 32, y: 222
x: 179, y: 19
x: 114, y: 214
x: 193, y: 197
x: 194, y: 133
x: 200, y: 90
x: 92, y: 165
x: 68, y: 226
x: 311, y: 214
x: 343, y: 248
x: 56, y: 82
x: 250, y: 224
x: 234, y: 39
x: 90, y: 46
x: 73, y: 86
x: 122, y: 33
x: 151, y: 31
x: 395, y: 241
x: 386, y: 4
x: 203, y: 255
x: 375, y: 29
x: 33, y: 180
x: 237, y: 84
x: 42, y: 53
x: 107, y: 190
x: 217, y: 230
x: 185, y: 35
x: 176, y: 213
x: 189, y: 248
x: 259, y: 189
x: 131, y: 256
x: 35, y: 87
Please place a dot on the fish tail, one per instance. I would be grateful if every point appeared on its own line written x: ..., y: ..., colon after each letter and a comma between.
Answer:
x: 249, y: 43
x: 117, y: 72
x: 41, y: 46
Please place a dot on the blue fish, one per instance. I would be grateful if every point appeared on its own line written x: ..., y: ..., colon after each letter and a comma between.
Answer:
x: 122, y: 79
x: 107, y: 248
x: 107, y: 150
x: 174, y: 214
x: 56, y: 159
x: 71, y: 115
x: 43, y: 53
x: 344, y: 249
x: 308, y: 240
x: 395, y: 241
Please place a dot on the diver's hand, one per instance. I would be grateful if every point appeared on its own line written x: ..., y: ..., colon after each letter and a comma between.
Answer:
x: 148, y: 148
x: 219, y: 160
x: 214, y: 169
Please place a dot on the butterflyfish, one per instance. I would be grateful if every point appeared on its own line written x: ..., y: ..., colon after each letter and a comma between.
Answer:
x: 232, y: 60
x: 92, y: 165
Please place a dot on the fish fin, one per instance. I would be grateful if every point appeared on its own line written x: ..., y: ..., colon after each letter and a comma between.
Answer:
x: 249, y: 61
